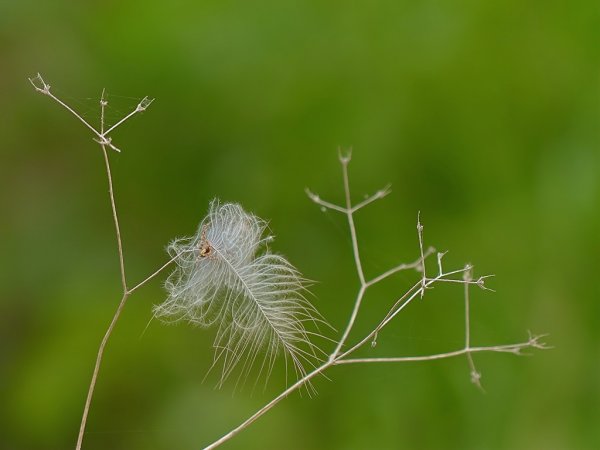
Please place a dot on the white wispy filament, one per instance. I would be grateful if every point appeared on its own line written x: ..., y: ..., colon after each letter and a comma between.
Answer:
x: 256, y: 301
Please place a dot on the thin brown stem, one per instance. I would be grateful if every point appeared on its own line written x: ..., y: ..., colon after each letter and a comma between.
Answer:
x: 44, y: 88
x: 103, y: 104
x: 345, y: 160
x: 155, y: 273
x: 245, y: 424
x: 353, y: 315
x: 102, y: 138
x: 121, y: 304
x: 475, y: 374
x: 99, y: 356
x: 324, y: 204
x: 401, y: 267
x: 376, y: 196
x: 510, y: 348
x: 142, y: 105
x: 115, y: 219
x: 420, y: 233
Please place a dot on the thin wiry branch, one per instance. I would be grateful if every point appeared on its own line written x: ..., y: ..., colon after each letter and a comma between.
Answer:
x: 414, y: 265
x: 44, y: 88
x: 100, y: 136
x: 516, y: 349
x: 339, y: 357
x: 378, y: 195
x: 475, y: 374
x: 420, y: 233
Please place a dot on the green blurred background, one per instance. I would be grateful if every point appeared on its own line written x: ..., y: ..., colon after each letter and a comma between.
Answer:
x: 484, y: 115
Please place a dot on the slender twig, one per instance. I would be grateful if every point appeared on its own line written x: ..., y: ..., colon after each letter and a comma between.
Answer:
x: 379, y: 194
x: 155, y: 273
x: 142, y: 105
x: 45, y: 89
x: 420, y: 233
x: 104, y: 140
x: 315, y: 198
x: 338, y: 357
x: 414, y: 265
x: 298, y: 384
x: 115, y: 218
x: 345, y: 160
x: 117, y: 314
x: 99, y: 356
x: 475, y: 374
x: 510, y: 348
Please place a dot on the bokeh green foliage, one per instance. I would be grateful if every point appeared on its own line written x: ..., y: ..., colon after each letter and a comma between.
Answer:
x: 483, y: 115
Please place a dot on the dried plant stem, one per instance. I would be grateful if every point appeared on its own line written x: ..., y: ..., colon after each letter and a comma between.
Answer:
x: 297, y: 385
x: 115, y: 218
x: 117, y: 314
x: 509, y: 348
x: 349, y: 212
x: 99, y: 356
x: 338, y: 357
x: 102, y: 137
x: 155, y: 273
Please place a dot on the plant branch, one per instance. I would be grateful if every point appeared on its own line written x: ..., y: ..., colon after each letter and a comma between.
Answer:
x: 345, y: 160
x: 102, y: 138
x: 475, y: 374
x: 298, y: 384
x: 315, y: 198
x: 142, y: 105
x: 414, y: 265
x: 515, y: 349
x: 115, y: 219
x: 44, y: 88
x: 379, y: 194
x: 420, y: 233
x: 155, y: 273
x: 99, y: 356
x: 418, y: 289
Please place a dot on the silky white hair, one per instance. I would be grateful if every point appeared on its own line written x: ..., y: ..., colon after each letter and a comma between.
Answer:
x: 256, y: 301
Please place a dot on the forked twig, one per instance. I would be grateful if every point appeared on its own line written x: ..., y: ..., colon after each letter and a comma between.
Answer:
x: 340, y: 357
x: 102, y: 137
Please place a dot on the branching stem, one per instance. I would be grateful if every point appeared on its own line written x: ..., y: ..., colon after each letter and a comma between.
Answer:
x: 338, y: 357
x: 104, y: 140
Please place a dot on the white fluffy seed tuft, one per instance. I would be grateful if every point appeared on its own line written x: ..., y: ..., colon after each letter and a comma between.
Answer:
x: 256, y: 301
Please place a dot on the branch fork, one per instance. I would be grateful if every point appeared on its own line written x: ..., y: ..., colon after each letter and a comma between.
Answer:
x: 339, y: 356
x: 102, y: 137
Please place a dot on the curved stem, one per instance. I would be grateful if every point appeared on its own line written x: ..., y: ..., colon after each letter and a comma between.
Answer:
x: 44, y: 88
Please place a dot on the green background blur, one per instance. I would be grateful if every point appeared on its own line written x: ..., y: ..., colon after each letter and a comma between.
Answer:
x: 484, y: 115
